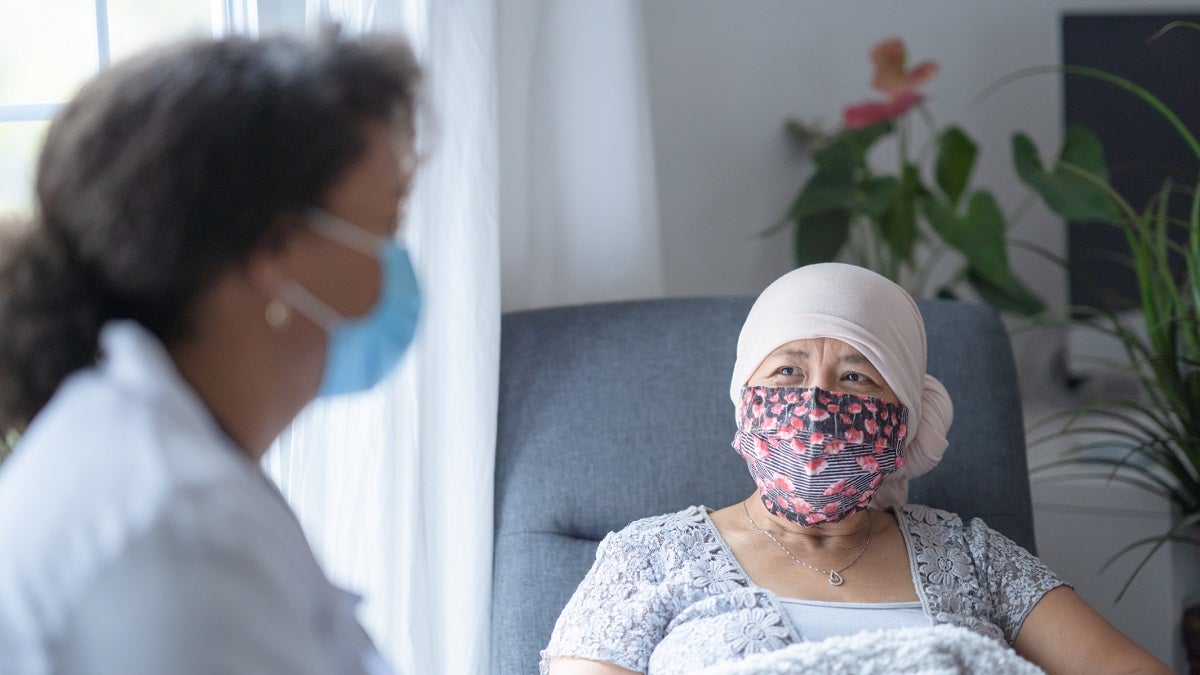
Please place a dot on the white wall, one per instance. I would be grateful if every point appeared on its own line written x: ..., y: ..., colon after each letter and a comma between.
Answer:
x: 725, y: 74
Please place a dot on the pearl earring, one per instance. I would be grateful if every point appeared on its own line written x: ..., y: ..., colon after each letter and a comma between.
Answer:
x: 278, y: 315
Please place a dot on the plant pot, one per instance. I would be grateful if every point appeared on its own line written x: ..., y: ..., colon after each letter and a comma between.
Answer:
x: 1186, y: 564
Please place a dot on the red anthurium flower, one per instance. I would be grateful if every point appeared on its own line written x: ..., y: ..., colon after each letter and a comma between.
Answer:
x: 891, y: 77
x: 873, y: 112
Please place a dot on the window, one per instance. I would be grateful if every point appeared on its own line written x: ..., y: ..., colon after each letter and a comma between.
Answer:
x: 48, y: 49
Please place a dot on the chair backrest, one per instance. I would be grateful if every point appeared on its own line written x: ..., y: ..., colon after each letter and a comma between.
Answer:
x: 618, y: 411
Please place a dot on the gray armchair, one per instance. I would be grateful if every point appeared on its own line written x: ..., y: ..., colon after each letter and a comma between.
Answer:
x: 613, y: 412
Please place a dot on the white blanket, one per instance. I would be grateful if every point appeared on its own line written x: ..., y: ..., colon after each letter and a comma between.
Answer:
x: 938, y: 650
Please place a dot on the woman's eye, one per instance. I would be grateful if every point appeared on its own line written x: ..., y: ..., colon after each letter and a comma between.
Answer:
x: 788, y: 371
x: 857, y: 377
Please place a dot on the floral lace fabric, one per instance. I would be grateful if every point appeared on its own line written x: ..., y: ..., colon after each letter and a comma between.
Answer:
x: 666, y: 595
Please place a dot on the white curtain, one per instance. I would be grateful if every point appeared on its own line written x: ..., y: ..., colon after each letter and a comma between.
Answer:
x: 394, y: 486
x: 579, y: 208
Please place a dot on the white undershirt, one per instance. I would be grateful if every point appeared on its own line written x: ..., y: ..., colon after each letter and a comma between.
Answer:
x: 819, y: 620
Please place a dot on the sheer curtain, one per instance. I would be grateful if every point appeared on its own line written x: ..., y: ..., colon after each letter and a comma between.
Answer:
x: 580, y: 211
x: 394, y: 486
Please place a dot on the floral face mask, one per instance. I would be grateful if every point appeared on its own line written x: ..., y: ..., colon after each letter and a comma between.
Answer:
x: 818, y: 456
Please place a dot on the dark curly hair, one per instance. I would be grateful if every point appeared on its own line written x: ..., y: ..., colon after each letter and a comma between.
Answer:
x: 169, y: 169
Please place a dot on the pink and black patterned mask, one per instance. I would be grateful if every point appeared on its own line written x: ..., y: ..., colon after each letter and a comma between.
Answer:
x: 818, y: 456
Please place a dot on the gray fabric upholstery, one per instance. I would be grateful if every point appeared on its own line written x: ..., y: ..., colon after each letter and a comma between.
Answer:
x: 613, y: 412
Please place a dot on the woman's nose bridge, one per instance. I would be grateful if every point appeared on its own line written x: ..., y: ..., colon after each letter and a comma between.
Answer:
x: 823, y: 375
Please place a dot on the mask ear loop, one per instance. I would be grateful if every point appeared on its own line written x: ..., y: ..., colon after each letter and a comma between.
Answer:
x: 310, y: 306
x: 343, y: 232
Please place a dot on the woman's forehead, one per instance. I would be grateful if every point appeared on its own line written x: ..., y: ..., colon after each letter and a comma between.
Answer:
x: 808, y: 348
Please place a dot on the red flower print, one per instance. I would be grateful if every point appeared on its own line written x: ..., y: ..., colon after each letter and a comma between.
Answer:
x: 871, y: 407
x: 899, y: 462
x: 818, y: 414
x: 782, y: 482
x: 831, y: 507
x: 844, y: 419
x: 850, y: 491
x: 836, y: 487
x: 884, y: 414
x: 778, y: 408
x: 760, y: 449
x: 815, y: 466
x: 769, y: 423
x: 816, y: 517
x: 816, y: 440
x: 786, y: 432
x: 880, y: 445
x: 868, y: 463
x: 801, y: 506
x: 791, y: 397
x: 798, y: 446
x: 834, y: 446
x: 902, y: 432
x: 833, y: 407
x: 887, y: 430
x: 854, y: 408
x: 823, y: 399
x: 854, y: 436
x: 870, y: 426
x: 806, y: 395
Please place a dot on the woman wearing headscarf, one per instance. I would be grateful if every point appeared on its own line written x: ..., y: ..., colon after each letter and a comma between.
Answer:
x: 215, y: 246
x: 835, y: 413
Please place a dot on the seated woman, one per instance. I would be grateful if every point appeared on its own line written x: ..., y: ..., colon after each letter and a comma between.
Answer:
x: 835, y: 413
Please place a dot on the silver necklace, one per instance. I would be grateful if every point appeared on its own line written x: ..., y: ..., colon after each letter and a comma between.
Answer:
x: 835, y: 576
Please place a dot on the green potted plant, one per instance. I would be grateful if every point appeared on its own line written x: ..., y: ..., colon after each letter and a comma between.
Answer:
x: 898, y: 223
x: 1151, y: 441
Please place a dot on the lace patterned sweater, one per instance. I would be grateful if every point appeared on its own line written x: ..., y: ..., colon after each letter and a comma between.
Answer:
x: 666, y: 595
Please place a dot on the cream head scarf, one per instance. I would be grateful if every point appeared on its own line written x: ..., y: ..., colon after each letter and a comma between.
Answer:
x: 879, y: 319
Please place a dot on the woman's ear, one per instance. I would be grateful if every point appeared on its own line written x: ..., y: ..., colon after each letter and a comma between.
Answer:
x: 266, y: 272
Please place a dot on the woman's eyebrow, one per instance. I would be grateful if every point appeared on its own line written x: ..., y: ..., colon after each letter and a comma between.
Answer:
x: 793, y: 353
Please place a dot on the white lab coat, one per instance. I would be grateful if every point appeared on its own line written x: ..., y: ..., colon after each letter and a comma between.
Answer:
x: 136, y: 538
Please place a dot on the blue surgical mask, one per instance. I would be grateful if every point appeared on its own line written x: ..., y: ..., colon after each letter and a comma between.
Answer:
x: 362, y: 351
